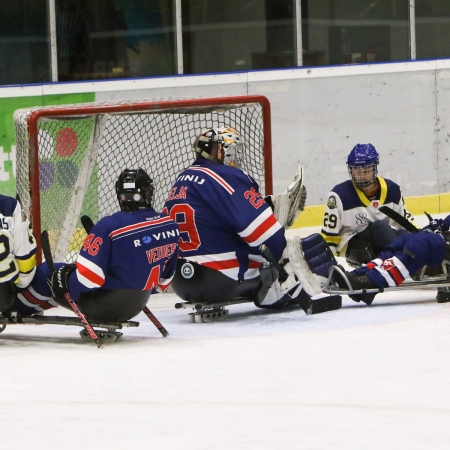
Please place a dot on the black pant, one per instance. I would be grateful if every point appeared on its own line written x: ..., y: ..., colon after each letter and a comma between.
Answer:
x: 199, y: 284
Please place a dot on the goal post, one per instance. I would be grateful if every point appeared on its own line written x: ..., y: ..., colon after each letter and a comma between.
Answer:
x: 68, y: 157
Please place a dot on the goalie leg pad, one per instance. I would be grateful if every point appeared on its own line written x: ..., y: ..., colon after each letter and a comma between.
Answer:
x: 309, y: 281
x: 317, y: 254
x: 274, y: 294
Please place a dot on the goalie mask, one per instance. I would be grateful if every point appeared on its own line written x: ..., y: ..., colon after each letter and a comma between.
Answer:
x: 221, y: 145
x: 134, y: 190
x: 232, y: 145
x: 362, y: 164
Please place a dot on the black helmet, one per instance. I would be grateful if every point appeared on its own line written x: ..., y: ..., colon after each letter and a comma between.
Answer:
x: 206, y: 142
x: 134, y: 190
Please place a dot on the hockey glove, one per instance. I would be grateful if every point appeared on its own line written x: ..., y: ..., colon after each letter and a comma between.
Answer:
x: 59, y: 280
x: 437, y: 225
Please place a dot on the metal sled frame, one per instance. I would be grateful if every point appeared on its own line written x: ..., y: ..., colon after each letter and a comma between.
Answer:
x: 110, y: 328
x: 209, y: 311
x: 441, y: 282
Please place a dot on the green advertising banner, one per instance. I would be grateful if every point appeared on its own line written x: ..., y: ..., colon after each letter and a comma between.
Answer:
x: 7, y: 135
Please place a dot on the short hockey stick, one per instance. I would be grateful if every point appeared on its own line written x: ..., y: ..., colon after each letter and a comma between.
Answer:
x: 396, y: 217
x: 87, y: 223
x: 45, y: 243
x: 265, y: 251
x: 155, y: 321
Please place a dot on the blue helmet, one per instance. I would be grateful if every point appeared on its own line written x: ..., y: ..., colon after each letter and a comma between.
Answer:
x: 361, y: 160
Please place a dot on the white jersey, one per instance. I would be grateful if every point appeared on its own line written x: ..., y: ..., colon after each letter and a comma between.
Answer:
x: 17, y: 244
x: 349, y: 211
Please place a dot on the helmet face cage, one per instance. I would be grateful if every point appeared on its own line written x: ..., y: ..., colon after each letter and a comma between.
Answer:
x: 363, y: 176
x: 232, y: 146
x: 134, y: 190
x: 362, y: 164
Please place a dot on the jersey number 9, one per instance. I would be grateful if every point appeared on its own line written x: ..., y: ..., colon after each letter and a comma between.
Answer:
x: 329, y: 221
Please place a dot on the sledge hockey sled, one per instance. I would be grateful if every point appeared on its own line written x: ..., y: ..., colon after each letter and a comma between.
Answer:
x: 422, y: 280
x: 209, y: 311
x: 107, y: 332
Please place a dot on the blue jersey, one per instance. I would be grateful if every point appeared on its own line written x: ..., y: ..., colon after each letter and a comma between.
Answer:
x: 223, y: 219
x: 127, y: 250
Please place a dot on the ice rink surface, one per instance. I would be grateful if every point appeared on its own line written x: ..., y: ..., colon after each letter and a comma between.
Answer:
x: 358, y: 378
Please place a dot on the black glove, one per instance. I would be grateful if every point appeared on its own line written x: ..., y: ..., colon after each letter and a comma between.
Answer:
x: 58, y: 281
x: 437, y: 225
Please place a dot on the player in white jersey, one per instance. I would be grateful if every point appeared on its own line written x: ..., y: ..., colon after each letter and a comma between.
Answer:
x: 17, y: 250
x: 353, y: 226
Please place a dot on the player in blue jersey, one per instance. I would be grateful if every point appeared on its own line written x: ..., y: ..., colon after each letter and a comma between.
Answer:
x: 352, y: 224
x: 403, y: 258
x: 125, y: 257
x: 17, y: 250
x: 223, y: 220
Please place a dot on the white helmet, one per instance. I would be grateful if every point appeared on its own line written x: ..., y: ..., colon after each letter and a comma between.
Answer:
x: 233, y: 146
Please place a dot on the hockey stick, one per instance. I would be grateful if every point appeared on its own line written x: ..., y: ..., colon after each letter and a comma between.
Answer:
x: 265, y: 251
x: 396, y: 217
x: 45, y: 243
x: 155, y: 321
x: 87, y: 223
x: 310, y: 306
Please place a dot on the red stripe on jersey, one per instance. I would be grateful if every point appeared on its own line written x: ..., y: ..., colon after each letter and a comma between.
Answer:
x: 396, y: 275
x: 137, y: 226
x: 91, y: 276
x: 261, y: 229
x: 254, y: 264
x: 153, y: 279
x: 216, y: 177
x: 222, y: 265
x: 35, y: 301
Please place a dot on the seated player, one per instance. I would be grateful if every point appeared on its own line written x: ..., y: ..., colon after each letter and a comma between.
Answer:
x: 223, y: 221
x: 403, y: 258
x: 17, y: 250
x: 125, y: 257
x: 352, y: 222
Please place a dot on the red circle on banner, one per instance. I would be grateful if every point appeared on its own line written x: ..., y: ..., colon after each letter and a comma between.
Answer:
x: 66, y: 142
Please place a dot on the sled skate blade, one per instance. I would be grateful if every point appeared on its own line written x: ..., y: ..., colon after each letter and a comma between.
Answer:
x: 209, y: 311
x: 104, y: 335
x: 208, y: 315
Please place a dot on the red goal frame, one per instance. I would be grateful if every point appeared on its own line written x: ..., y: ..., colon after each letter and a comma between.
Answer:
x: 132, y: 106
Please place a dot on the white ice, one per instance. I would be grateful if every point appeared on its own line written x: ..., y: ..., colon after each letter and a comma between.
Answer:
x: 358, y: 378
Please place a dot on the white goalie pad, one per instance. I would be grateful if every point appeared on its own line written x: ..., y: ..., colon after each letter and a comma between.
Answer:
x: 289, y: 204
x: 297, y: 264
x: 277, y: 291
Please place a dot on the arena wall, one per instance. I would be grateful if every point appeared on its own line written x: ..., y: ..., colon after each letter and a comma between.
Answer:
x: 318, y: 115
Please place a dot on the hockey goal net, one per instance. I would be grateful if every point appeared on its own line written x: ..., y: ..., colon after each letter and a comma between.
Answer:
x: 70, y: 156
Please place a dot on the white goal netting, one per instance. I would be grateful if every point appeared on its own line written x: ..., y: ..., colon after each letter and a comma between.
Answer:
x: 70, y: 156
